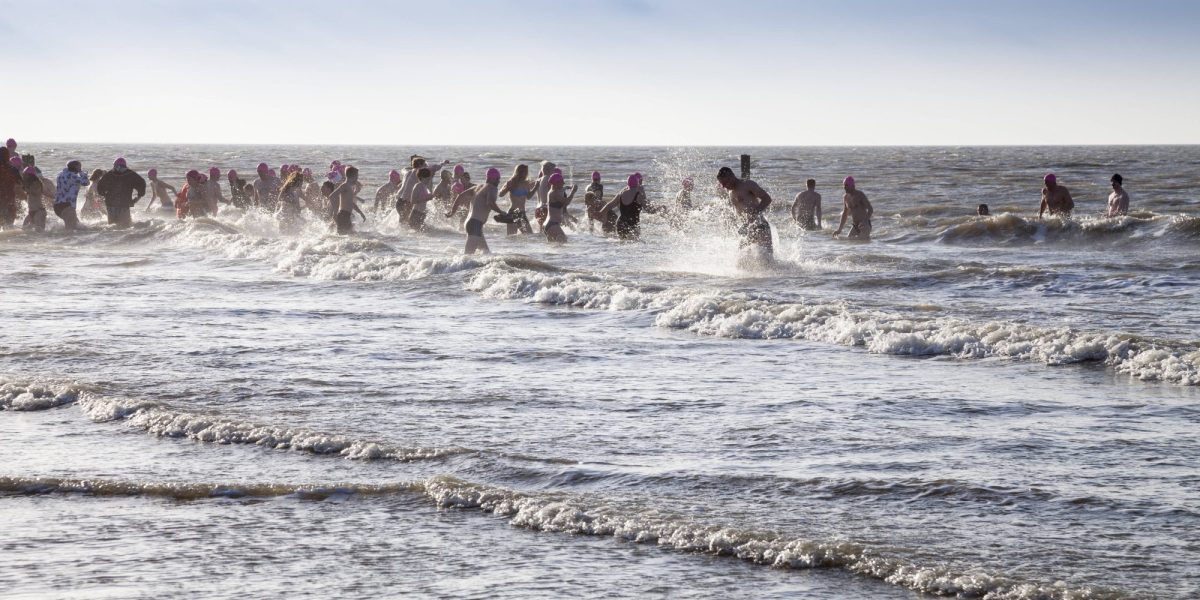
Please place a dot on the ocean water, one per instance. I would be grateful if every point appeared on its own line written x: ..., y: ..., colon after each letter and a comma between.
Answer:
x: 995, y: 407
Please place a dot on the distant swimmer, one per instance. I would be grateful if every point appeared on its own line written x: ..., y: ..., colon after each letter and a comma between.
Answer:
x: 343, y: 198
x: 750, y: 203
x: 543, y: 191
x: 857, y: 208
x: 442, y: 193
x: 159, y: 191
x: 1118, y: 200
x: 683, y: 200
x: 594, y: 202
x: 266, y: 188
x: 385, y: 196
x: 518, y: 188
x: 556, y: 207
x: 408, y: 182
x: 983, y: 210
x: 10, y: 180
x: 629, y: 202
x: 213, y: 193
x: 290, y: 201
x: 806, y: 209
x: 69, y: 181
x: 419, y: 199
x: 1055, y: 198
x: 483, y: 203
x: 239, y: 195
x: 93, y: 202
x: 121, y: 188
x: 35, y: 218
x: 194, y: 200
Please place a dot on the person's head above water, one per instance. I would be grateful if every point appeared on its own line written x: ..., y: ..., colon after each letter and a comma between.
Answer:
x: 493, y: 175
x: 263, y: 169
x: 1050, y: 180
x: 459, y: 170
x: 556, y: 180
x: 1116, y: 180
x: 848, y: 183
x: 74, y: 166
x: 983, y: 210
x: 395, y: 177
x: 152, y: 174
x: 547, y: 167
x: 120, y: 164
x: 232, y: 176
x: 595, y: 175
x: 688, y: 183
x: 633, y: 181
x: 214, y: 173
x: 424, y: 174
x: 11, y: 144
x: 811, y: 184
x: 351, y: 173
x: 726, y: 178
x: 445, y: 175
x: 193, y: 175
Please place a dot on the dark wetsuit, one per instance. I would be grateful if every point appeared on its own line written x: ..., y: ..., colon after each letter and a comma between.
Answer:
x: 629, y: 224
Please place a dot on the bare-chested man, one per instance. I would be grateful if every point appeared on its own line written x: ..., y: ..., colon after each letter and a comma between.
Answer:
x: 749, y: 202
x: 483, y: 202
x: 806, y: 210
x: 1118, y: 200
x: 343, y: 198
x: 858, y: 209
x: 1055, y: 198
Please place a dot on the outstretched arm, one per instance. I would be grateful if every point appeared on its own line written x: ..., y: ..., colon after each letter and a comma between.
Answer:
x: 458, y: 201
x: 845, y: 215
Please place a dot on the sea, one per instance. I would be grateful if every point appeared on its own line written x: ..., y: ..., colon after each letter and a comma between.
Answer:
x: 994, y: 407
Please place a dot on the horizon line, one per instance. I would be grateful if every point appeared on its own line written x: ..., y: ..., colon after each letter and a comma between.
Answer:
x: 396, y: 145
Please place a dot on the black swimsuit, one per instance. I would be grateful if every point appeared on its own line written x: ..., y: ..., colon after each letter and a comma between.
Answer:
x: 629, y: 223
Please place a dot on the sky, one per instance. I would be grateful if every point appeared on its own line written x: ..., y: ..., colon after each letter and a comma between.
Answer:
x: 602, y: 72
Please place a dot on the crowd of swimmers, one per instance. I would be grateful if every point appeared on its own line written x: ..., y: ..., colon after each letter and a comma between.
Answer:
x: 292, y: 191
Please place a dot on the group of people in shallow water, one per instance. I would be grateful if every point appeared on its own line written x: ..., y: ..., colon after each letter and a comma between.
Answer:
x: 292, y: 191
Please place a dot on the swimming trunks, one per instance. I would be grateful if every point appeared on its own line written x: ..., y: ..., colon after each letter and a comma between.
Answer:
x: 755, y: 232
x: 475, y: 227
x: 342, y: 219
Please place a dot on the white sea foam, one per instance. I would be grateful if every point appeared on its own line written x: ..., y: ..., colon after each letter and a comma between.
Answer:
x: 192, y: 491
x: 736, y: 315
x: 36, y: 395
x: 163, y: 421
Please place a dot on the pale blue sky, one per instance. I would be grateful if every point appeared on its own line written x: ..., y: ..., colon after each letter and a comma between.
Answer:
x: 617, y: 72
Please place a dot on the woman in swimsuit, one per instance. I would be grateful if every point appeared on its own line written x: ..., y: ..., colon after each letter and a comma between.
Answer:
x: 630, y: 201
x: 289, y: 203
x: 556, y: 205
x: 517, y: 188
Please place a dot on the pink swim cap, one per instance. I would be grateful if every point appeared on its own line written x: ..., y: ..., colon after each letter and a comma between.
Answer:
x: 493, y: 174
x: 120, y: 162
x: 29, y: 171
x: 556, y: 171
x: 1050, y: 178
x: 848, y: 181
x: 232, y: 175
x: 15, y: 161
x: 152, y: 173
x: 335, y: 164
x: 272, y: 173
x: 263, y: 168
x: 214, y: 172
x: 203, y: 178
x: 458, y: 170
x: 394, y: 176
x: 595, y: 175
x: 556, y: 178
x: 634, y: 180
x: 193, y: 174
x: 11, y: 144
x: 458, y: 188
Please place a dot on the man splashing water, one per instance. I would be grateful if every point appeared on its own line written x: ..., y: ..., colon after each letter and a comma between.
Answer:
x: 750, y: 203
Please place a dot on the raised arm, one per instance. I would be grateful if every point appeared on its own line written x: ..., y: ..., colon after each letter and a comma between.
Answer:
x: 458, y: 200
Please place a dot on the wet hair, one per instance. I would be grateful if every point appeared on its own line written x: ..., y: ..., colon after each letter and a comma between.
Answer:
x: 327, y: 188
x: 424, y: 173
x: 520, y: 171
x: 351, y: 172
x: 983, y: 210
x: 96, y: 174
x: 812, y: 183
x: 1117, y: 179
x: 724, y: 172
x: 418, y: 162
x: 294, y: 180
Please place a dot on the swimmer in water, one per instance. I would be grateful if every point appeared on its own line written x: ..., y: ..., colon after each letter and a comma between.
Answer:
x: 630, y: 202
x: 158, y: 191
x: 483, y: 203
x: 543, y: 191
x: 289, y: 203
x: 857, y: 208
x: 441, y: 193
x: 750, y: 204
x: 10, y: 182
x: 983, y: 210
x: 1055, y: 198
x: 343, y: 198
x: 517, y: 188
x: 1118, y: 200
x: 408, y: 182
x: 239, y: 196
x: 194, y: 202
x: 556, y: 208
x: 213, y: 192
x: 594, y: 201
x: 69, y: 181
x: 121, y: 188
x: 385, y: 196
x: 421, y: 195
x: 266, y: 188
x: 35, y: 219
x: 806, y: 210
x: 93, y: 202
x: 683, y: 200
